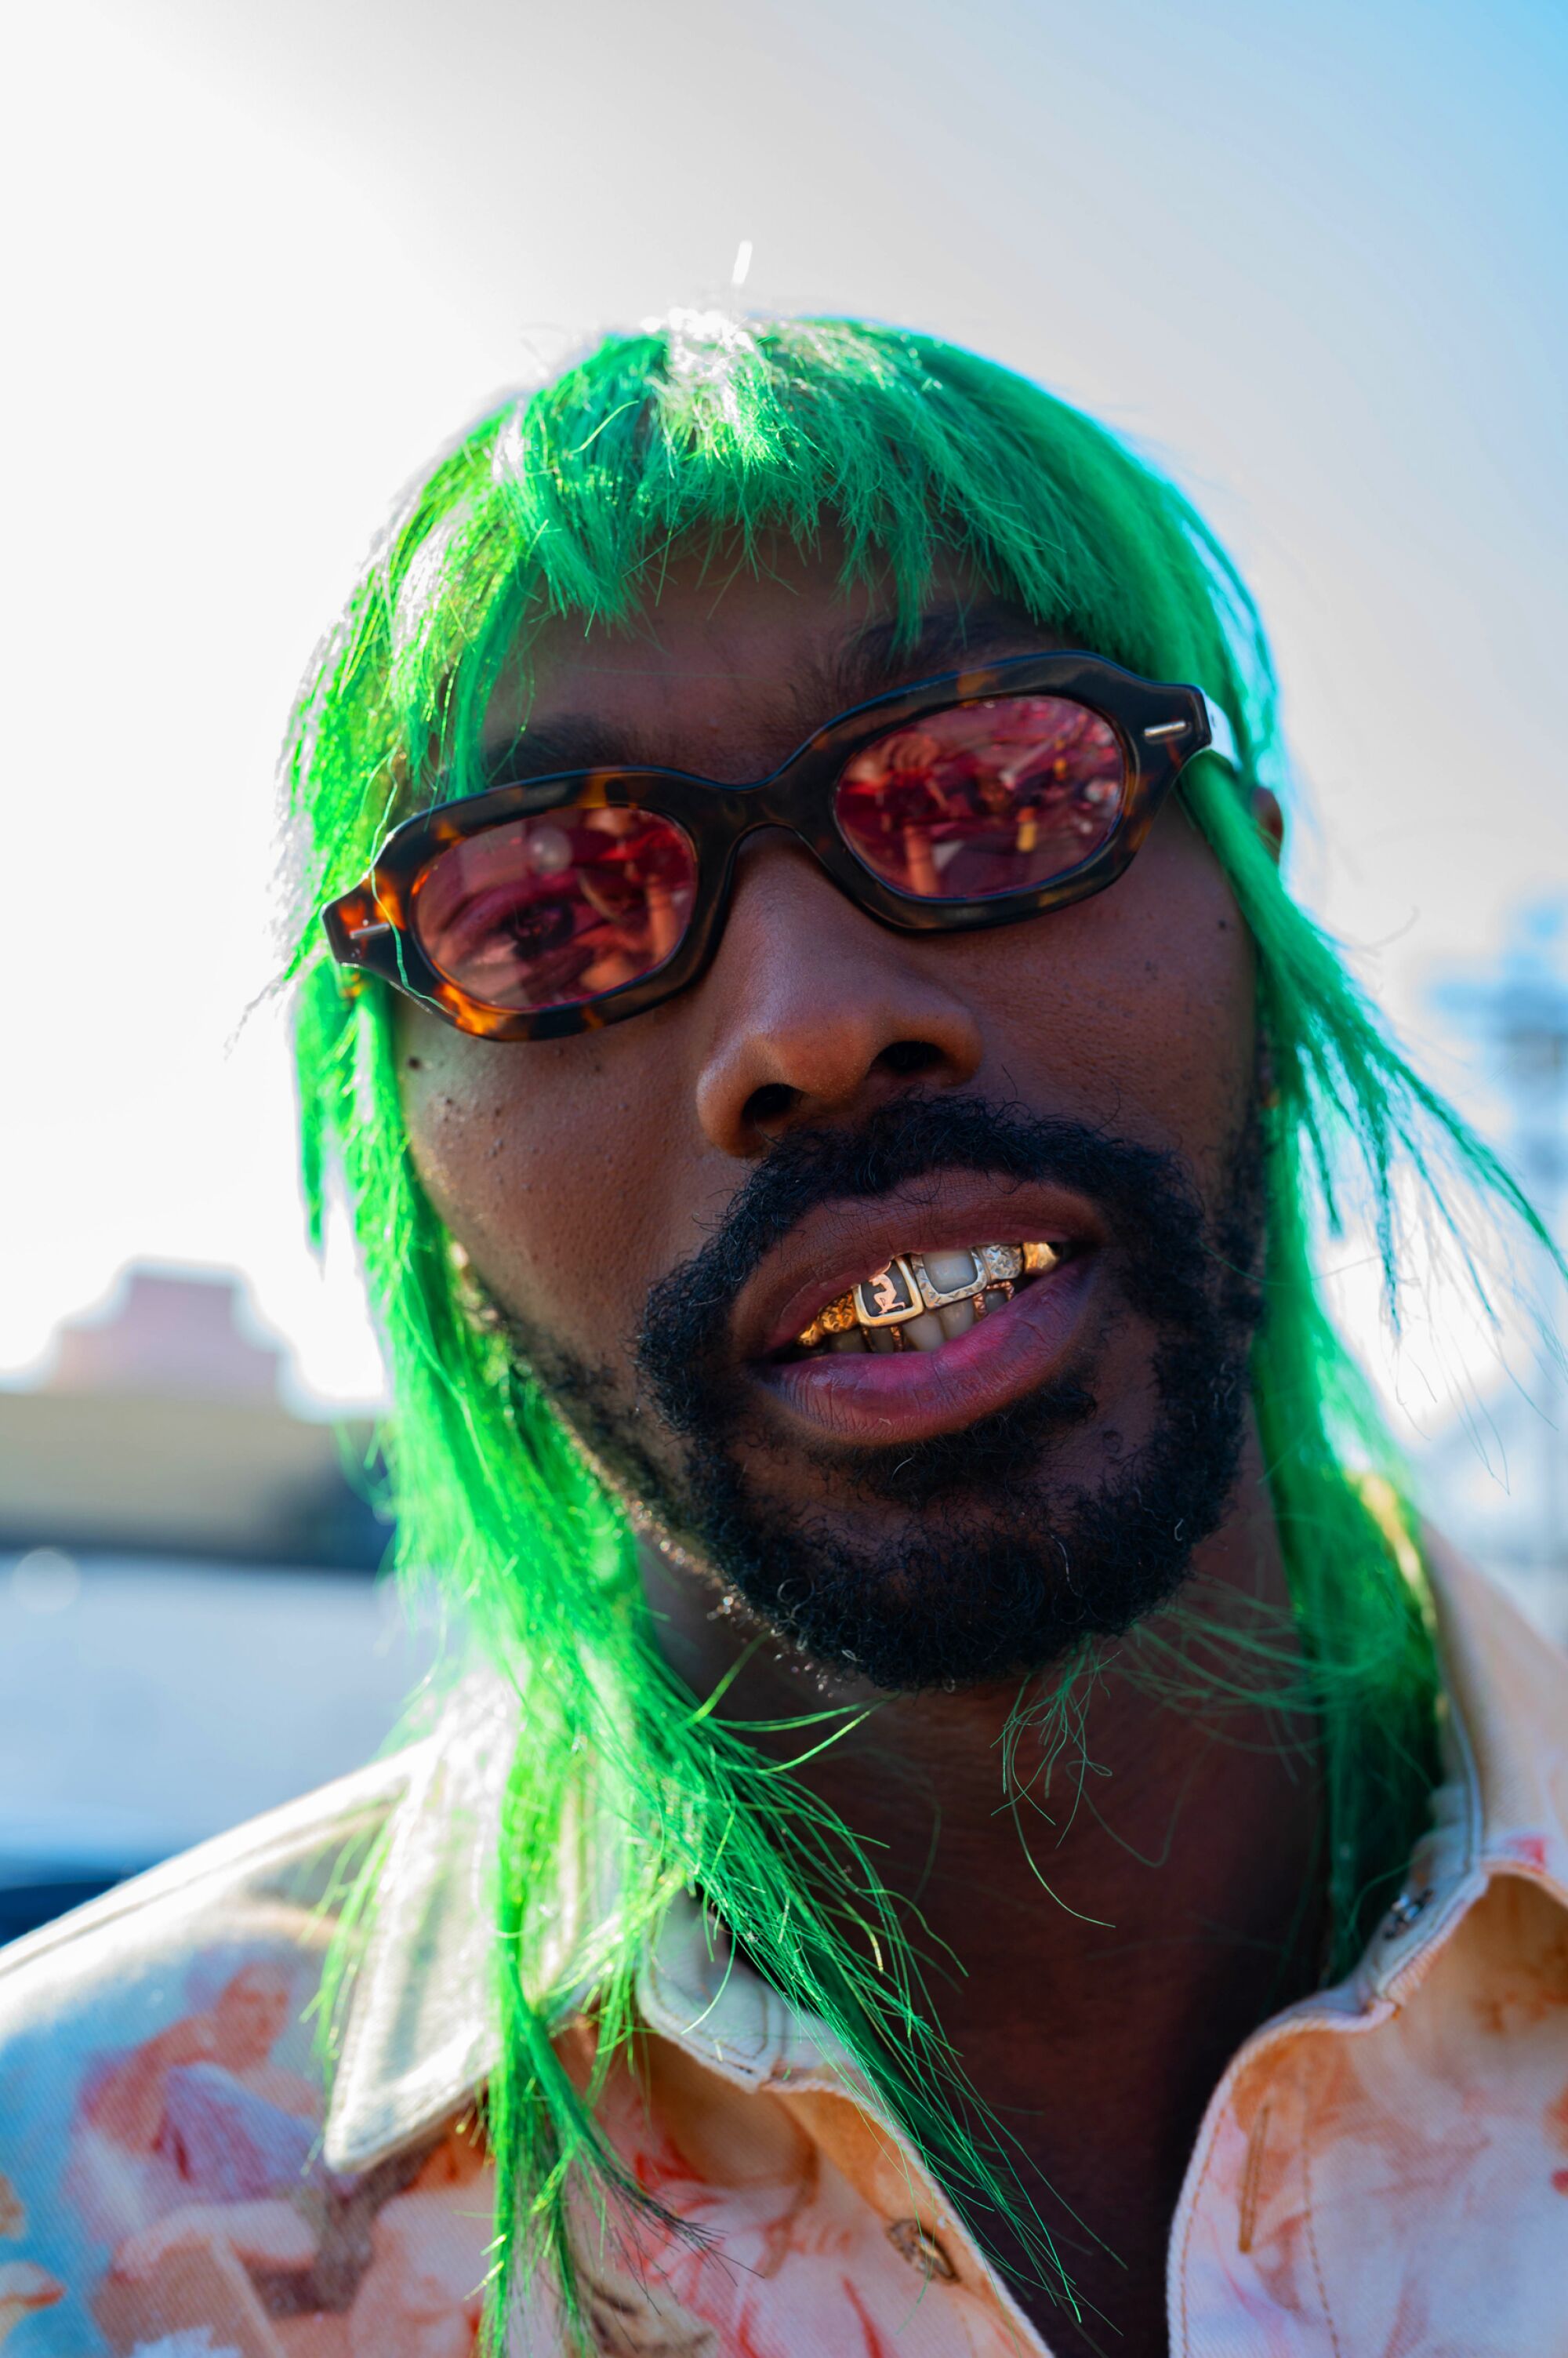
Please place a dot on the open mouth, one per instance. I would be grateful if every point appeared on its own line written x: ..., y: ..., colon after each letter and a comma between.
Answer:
x: 919, y: 1301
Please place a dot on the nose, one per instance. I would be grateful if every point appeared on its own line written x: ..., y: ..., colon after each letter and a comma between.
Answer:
x: 815, y: 1013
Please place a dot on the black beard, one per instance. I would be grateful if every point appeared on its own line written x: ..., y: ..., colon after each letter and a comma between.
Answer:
x: 997, y: 1568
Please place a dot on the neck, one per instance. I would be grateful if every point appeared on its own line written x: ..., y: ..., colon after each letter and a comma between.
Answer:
x: 1113, y: 1918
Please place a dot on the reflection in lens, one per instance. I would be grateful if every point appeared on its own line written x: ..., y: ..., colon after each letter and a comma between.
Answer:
x: 999, y: 796
x: 552, y: 911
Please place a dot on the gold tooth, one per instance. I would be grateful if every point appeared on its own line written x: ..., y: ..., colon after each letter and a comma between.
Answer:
x: 891, y: 1296
x: 1003, y: 1263
x: 1002, y: 1260
x: 833, y: 1318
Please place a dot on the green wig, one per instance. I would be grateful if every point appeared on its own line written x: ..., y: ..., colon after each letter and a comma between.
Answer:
x: 899, y: 453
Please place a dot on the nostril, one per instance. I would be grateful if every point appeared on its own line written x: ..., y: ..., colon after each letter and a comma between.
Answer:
x: 909, y: 1058
x: 771, y: 1103
x: 774, y: 1105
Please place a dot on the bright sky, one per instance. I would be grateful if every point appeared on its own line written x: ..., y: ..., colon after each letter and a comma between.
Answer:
x: 1310, y: 255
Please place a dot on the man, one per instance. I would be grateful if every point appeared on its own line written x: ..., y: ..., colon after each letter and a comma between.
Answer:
x: 980, y: 1822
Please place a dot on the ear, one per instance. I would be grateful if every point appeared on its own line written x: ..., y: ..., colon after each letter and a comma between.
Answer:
x: 1269, y: 818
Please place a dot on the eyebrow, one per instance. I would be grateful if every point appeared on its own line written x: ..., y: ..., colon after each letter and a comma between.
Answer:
x: 882, y: 656
x: 874, y: 659
x: 575, y: 742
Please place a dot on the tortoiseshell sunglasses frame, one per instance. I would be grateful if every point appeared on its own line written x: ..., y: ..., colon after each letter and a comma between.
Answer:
x: 1160, y: 728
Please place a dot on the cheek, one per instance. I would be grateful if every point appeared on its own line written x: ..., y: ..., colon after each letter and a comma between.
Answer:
x: 1135, y: 1009
x: 540, y: 1159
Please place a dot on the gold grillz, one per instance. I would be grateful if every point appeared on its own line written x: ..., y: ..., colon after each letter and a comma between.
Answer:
x: 908, y: 1287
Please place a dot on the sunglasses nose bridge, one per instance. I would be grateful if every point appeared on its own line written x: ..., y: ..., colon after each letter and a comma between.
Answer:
x: 793, y: 803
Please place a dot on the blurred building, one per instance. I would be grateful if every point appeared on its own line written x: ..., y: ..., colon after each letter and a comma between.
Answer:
x: 160, y: 1426
x: 191, y: 1630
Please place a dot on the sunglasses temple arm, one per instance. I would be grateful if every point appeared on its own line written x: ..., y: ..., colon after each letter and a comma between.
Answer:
x: 1221, y: 735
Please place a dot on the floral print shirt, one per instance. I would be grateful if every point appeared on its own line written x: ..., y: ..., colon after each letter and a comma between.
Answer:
x: 1382, y: 2172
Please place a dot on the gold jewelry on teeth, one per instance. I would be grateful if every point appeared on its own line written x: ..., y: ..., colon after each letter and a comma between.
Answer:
x: 905, y: 1289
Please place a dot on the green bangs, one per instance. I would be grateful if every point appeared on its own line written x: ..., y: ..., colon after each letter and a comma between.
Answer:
x: 899, y: 454
x: 900, y: 450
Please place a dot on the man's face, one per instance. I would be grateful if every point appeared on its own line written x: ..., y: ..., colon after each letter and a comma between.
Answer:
x: 660, y: 1206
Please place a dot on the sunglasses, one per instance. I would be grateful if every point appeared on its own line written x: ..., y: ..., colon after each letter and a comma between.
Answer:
x: 552, y: 905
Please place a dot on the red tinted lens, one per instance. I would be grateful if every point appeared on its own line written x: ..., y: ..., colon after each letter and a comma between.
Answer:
x: 551, y: 911
x: 984, y: 798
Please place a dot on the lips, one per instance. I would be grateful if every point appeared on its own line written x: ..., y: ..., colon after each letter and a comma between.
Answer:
x: 873, y: 1400
x: 979, y: 1328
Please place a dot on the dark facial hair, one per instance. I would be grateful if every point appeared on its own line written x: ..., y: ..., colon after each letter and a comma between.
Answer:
x: 997, y: 1564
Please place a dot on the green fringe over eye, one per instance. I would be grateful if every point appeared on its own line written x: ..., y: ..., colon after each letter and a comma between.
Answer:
x: 898, y: 452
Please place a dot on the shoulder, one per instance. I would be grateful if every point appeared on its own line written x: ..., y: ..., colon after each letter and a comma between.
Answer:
x: 273, y: 1884
x: 1506, y: 1690
x: 157, y: 2053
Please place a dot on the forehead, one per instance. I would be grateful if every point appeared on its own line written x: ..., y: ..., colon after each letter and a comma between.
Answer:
x: 729, y: 666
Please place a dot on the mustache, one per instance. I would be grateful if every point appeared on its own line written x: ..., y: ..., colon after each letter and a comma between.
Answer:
x: 1146, y: 1194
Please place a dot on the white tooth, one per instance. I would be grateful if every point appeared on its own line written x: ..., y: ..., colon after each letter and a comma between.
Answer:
x: 947, y: 1269
x: 926, y: 1332
x: 852, y: 1341
x: 880, y: 1338
x: 957, y: 1317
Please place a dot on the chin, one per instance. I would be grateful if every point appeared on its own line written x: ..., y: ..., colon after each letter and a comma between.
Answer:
x: 955, y: 1595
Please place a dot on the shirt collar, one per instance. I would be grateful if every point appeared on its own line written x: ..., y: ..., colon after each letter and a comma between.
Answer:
x: 1503, y: 1808
x: 418, y: 2041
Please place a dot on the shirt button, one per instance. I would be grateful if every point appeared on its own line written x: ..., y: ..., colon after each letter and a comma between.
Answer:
x: 1405, y: 1910
x: 922, y: 2251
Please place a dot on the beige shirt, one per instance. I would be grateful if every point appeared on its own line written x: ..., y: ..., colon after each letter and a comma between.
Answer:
x: 1382, y: 2172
